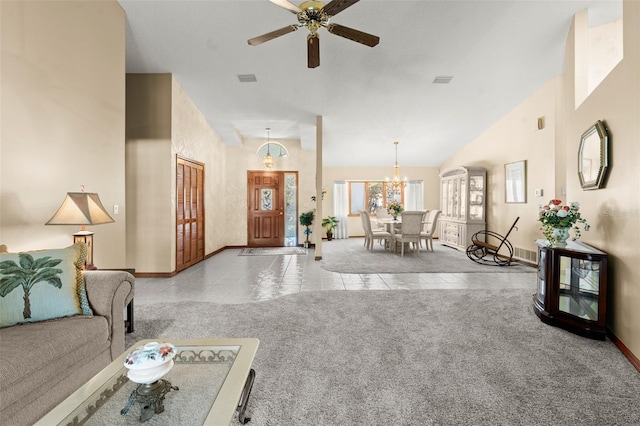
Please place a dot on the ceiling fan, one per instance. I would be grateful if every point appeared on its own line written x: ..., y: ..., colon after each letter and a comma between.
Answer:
x: 314, y: 15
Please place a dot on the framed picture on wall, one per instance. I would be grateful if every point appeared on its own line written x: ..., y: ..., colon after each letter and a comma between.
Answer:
x: 515, y: 182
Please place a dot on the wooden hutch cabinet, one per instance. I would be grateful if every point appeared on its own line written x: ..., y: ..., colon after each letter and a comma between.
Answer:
x: 463, y: 205
x: 572, y: 288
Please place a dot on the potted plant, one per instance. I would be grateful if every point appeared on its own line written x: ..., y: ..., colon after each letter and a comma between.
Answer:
x: 329, y: 223
x: 306, y: 219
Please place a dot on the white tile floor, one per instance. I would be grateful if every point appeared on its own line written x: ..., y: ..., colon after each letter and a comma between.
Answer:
x: 227, y: 278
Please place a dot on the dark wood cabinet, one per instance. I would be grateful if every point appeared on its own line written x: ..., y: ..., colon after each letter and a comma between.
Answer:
x: 572, y: 288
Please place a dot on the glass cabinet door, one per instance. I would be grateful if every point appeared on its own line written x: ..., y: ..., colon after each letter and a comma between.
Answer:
x: 455, y: 208
x: 542, y: 279
x: 463, y: 199
x: 476, y: 198
x: 579, y: 287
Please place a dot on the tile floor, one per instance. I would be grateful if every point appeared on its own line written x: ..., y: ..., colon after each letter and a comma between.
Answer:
x: 227, y: 278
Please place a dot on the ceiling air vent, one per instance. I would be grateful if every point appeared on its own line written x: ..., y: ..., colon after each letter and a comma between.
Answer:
x: 442, y: 80
x: 247, y: 78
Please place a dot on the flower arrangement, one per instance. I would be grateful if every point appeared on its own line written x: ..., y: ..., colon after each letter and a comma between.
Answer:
x: 555, y: 215
x: 394, y: 208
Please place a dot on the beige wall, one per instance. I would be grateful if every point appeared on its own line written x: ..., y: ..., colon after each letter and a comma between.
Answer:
x: 331, y: 174
x: 62, y: 115
x: 148, y: 167
x: 162, y: 123
x: 516, y: 137
x: 613, y: 211
x: 242, y: 159
x: 193, y: 138
x: 551, y: 154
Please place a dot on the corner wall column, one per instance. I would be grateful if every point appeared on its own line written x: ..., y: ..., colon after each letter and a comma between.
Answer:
x: 318, y: 224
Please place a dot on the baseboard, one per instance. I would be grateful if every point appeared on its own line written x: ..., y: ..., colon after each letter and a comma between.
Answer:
x: 220, y: 250
x: 624, y: 349
x: 155, y: 274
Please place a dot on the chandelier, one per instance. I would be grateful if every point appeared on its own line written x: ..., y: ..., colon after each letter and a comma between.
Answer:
x: 396, y: 185
x: 267, y: 161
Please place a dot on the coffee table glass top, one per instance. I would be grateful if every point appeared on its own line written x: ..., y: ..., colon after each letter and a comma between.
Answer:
x: 209, y: 373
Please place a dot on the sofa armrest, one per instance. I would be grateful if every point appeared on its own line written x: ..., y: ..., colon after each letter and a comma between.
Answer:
x: 108, y: 293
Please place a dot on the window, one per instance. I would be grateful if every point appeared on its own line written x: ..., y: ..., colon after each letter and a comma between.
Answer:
x: 371, y: 196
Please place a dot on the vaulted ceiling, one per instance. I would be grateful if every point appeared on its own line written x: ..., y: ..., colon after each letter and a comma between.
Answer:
x: 497, y: 53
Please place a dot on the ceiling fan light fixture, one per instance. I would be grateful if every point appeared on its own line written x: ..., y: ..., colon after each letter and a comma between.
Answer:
x: 314, y: 15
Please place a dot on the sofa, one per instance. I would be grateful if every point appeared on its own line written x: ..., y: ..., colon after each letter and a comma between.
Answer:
x: 42, y: 363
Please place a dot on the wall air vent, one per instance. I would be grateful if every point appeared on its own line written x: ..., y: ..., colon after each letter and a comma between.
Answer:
x: 442, y: 80
x: 247, y: 78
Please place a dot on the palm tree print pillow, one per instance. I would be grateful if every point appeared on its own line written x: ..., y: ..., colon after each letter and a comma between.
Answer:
x: 42, y: 285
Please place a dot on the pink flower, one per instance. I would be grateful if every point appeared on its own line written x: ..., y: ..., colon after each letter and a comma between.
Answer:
x: 566, y: 208
x: 165, y: 350
x: 556, y: 202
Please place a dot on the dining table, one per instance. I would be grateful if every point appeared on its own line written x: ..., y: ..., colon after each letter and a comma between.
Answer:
x: 389, y: 222
x: 392, y: 226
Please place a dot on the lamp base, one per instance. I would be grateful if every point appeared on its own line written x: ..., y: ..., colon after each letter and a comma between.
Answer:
x: 87, y: 238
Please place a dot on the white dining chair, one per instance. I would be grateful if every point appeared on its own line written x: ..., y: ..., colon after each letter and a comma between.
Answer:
x: 429, y: 229
x: 382, y: 213
x: 410, y: 231
x: 371, y: 235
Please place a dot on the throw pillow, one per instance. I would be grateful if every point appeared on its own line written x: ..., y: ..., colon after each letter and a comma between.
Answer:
x: 42, y: 285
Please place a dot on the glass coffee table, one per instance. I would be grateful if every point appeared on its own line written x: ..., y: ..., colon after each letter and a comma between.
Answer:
x: 210, y: 380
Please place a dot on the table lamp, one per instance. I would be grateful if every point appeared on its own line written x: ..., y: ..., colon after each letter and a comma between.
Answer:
x: 82, y: 208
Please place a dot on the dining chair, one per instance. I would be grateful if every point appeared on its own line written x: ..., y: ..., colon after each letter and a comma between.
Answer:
x: 364, y: 228
x: 382, y: 213
x: 429, y: 229
x: 410, y: 231
x: 370, y: 235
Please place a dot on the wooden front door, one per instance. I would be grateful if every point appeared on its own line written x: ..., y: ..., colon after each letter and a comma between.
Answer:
x: 265, y: 209
x: 189, y: 213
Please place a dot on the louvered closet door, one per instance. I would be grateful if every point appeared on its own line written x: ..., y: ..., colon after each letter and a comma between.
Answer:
x: 189, y: 213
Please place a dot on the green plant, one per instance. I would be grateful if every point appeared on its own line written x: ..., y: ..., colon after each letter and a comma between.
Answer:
x: 306, y: 219
x: 329, y: 223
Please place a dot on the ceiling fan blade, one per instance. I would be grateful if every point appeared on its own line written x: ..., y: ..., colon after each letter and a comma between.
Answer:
x: 336, y: 6
x: 287, y: 5
x: 273, y: 34
x: 313, y: 51
x: 355, y: 35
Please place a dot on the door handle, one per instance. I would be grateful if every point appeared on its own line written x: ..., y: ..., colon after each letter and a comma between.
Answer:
x: 281, y: 213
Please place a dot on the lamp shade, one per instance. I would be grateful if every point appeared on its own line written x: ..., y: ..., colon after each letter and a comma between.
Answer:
x: 81, y: 208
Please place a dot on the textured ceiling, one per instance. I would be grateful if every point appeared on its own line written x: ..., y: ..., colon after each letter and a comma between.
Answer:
x: 498, y: 53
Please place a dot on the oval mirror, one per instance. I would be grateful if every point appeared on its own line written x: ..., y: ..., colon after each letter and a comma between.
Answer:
x: 593, y: 157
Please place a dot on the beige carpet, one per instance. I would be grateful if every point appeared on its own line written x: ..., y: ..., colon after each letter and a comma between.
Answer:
x: 411, y: 357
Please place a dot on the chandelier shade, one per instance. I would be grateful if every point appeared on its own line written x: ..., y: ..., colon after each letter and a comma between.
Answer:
x: 267, y: 161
